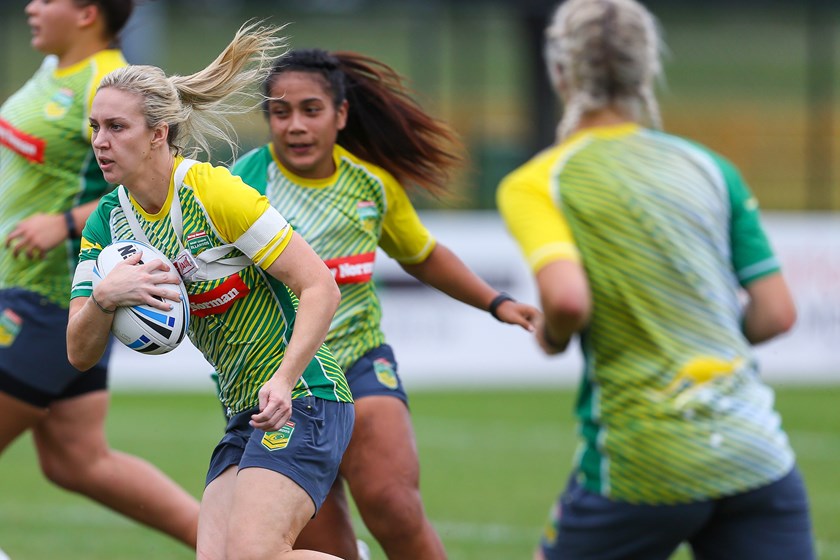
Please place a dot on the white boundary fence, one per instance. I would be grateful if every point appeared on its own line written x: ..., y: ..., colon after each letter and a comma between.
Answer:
x: 439, y: 342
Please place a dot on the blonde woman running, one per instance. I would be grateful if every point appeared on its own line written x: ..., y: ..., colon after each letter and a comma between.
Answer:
x: 289, y: 407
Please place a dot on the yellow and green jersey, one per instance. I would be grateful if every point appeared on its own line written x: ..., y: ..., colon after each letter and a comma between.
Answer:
x: 345, y: 217
x: 47, y: 165
x: 671, y: 406
x: 242, y: 323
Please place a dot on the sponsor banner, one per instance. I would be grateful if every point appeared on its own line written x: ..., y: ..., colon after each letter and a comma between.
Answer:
x: 219, y: 299
x: 355, y: 269
x: 439, y: 342
x: 25, y: 145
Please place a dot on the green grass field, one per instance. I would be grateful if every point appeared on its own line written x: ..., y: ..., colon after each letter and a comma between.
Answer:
x: 492, y: 464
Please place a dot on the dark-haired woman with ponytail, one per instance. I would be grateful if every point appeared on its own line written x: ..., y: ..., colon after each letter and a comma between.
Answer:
x: 346, y: 140
x: 49, y: 185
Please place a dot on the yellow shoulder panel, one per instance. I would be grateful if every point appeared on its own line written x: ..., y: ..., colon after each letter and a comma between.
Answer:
x: 531, y: 214
x: 404, y: 237
x: 234, y: 208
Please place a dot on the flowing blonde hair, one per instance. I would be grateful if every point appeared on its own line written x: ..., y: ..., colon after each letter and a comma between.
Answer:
x: 602, y: 53
x: 197, y: 107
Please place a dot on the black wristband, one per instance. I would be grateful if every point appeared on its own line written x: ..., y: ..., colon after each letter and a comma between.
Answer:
x: 497, y: 301
x: 71, y: 225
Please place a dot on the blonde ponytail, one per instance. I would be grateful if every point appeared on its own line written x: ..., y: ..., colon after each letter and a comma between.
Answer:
x: 197, y: 107
x: 602, y: 53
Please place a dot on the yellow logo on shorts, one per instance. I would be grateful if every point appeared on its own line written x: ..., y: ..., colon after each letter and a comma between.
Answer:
x: 385, y: 374
x: 10, y: 324
x: 279, y: 439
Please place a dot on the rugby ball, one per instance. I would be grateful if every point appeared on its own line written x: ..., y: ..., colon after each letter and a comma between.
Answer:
x: 144, y: 328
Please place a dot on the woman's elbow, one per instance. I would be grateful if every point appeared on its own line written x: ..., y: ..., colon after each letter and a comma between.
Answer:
x: 564, y: 293
x: 779, y: 314
x: 332, y: 298
x: 572, y: 309
x: 784, y: 319
x: 79, y: 361
x: 79, y: 356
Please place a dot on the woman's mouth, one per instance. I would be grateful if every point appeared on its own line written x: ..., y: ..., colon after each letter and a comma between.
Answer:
x: 299, y: 148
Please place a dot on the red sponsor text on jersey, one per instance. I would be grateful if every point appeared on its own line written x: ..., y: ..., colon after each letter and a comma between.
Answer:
x: 354, y: 269
x: 25, y: 145
x: 219, y: 299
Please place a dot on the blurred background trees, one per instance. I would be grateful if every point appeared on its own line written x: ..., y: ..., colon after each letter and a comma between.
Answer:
x: 755, y: 80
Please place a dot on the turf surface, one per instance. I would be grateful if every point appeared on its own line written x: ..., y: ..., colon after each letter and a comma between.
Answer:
x: 492, y: 463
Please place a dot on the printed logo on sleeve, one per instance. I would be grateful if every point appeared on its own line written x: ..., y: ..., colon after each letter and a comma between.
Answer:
x: 274, y: 441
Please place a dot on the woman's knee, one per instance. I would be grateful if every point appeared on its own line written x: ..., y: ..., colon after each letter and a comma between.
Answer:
x: 63, y: 475
x: 392, y: 508
x: 69, y: 466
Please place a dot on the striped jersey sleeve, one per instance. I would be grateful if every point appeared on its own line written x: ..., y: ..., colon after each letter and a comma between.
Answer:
x: 752, y: 255
x: 404, y: 237
x: 241, y: 214
x: 532, y: 216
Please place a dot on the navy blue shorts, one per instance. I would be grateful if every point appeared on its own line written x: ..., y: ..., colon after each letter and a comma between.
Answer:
x: 33, y: 352
x: 771, y: 523
x: 308, y: 449
x: 375, y: 373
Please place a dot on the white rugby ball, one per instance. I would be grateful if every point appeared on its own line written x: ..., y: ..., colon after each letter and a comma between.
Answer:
x: 144, y: 328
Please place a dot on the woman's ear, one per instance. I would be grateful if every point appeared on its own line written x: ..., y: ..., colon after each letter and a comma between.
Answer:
x: 87, y: 15
x: 341, y: 115
x: 160, y: 135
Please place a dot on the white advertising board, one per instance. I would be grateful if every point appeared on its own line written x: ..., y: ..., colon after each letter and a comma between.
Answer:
x: 440, y: 342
